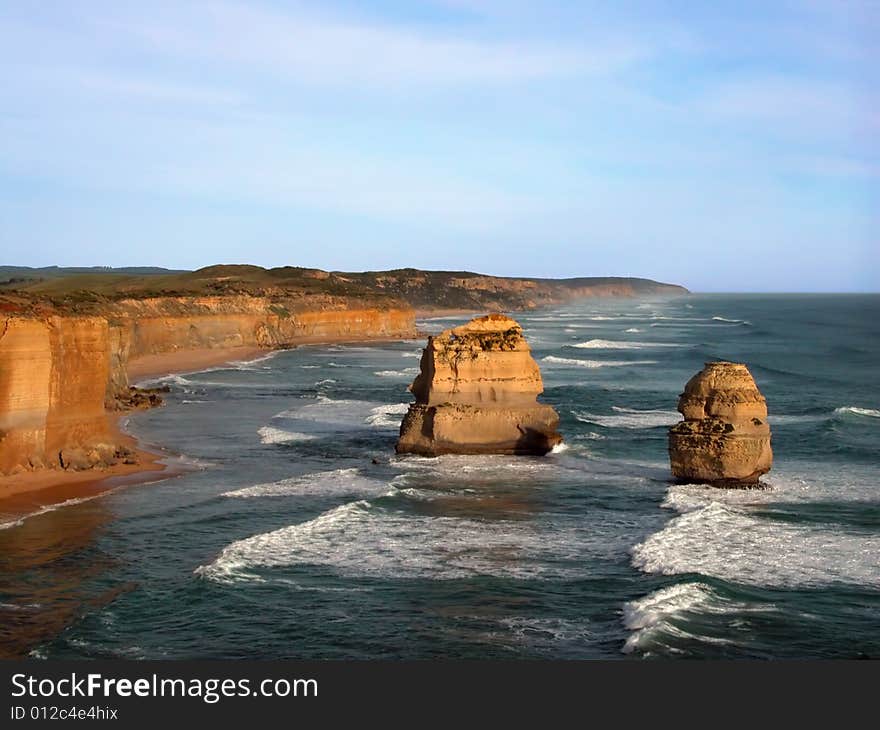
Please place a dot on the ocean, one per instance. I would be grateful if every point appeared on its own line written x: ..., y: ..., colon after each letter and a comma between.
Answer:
x: 299, y: 534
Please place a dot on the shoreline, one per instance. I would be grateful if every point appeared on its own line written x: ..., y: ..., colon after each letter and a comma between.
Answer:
x: 29, y: 493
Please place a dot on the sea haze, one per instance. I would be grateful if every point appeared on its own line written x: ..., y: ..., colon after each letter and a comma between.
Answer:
x: 299, y: 533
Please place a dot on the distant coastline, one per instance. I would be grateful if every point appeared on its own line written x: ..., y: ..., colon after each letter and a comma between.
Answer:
x: 74, y: 341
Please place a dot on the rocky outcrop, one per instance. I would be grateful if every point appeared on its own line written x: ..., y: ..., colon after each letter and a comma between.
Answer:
x: 476, y: 394
x: 725, y: 438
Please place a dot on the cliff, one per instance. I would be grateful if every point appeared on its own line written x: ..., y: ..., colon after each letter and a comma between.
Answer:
x: 724, y: 438
x: 476, y: 393
x: 71, y: 336
x: 61, y: 374
x: 54, y: 375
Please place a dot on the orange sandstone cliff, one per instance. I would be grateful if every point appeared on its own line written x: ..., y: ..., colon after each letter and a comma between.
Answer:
x: 70, y: 338
x: 476, y: 394
x: 54, y: 376
x: 61, y: 374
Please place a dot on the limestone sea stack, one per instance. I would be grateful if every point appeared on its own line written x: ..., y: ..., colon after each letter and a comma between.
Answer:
x: 476, y: 394
x: 724, y: 439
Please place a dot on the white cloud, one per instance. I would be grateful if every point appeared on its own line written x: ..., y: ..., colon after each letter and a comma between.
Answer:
x: 319, y: 49
x: 792, y: 105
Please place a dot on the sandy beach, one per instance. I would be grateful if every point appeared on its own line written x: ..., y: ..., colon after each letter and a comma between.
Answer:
x: 182, y: 361
x: 28, y: 492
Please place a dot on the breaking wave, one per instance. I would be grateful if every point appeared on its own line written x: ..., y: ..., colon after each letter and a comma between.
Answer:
x: 719, y: 533
x: 405, y: 373
x: 339, y: 482
x: 856, y: 411
x: 615, y: 345
x: 363, y: 539
x: 630, y: 418
x: 272, y: 435
x: 657, y: 620
x: 388, y: 416
x: 51, y: 508
x: 552, y: 359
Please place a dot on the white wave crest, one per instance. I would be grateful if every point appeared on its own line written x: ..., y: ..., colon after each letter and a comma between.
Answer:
x: 730, y: 321
x: 363, y: 539
x: 552, y: 359
x: 630, y: 418
x: 339, y: 482
x: 329, y: 414
x: 388, y: 416
x: 253, y: 364
x: 718, y: 535
x: 616, y: 345
x: 658, y: 615
x: 51, y: 508
x: 856, y: 411
x: 405, y: 373
x: 272, y: 435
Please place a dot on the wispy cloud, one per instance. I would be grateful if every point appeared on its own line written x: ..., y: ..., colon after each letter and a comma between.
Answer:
x: 325, y: 49
x: 798, y: 104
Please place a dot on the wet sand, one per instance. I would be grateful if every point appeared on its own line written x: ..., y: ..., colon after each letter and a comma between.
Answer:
x: 29, y: 492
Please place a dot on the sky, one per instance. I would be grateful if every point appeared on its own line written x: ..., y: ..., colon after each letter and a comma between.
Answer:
x: 726, y: 146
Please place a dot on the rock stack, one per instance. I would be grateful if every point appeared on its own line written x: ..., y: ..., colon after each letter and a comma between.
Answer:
x: 724, y: 439
x: 476, y: 394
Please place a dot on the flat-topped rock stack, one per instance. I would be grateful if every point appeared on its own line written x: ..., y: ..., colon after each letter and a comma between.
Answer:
x: 476, y: 394
x: 724, y: 439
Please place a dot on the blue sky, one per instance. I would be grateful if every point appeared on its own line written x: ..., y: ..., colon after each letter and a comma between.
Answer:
x: 724, y: 145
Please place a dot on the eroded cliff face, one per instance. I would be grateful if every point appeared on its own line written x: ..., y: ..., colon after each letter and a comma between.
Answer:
x: 476, y: 394
x: 725, y: 438
x: 167, y: 324
x: 53, y: 383
x: 61, y: 375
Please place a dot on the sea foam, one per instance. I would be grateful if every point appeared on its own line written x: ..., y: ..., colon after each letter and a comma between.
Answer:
x: 719, y: 533
x: 363, y: 539
x: 338, y: 482
x: 272, y: 435
x: 630, y: 418
x: 617, y: 345
x: 405, y: 373
x: 658, y: 620
x: 856, y: 411
x: 387, y: 416
x: 553, y: 360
